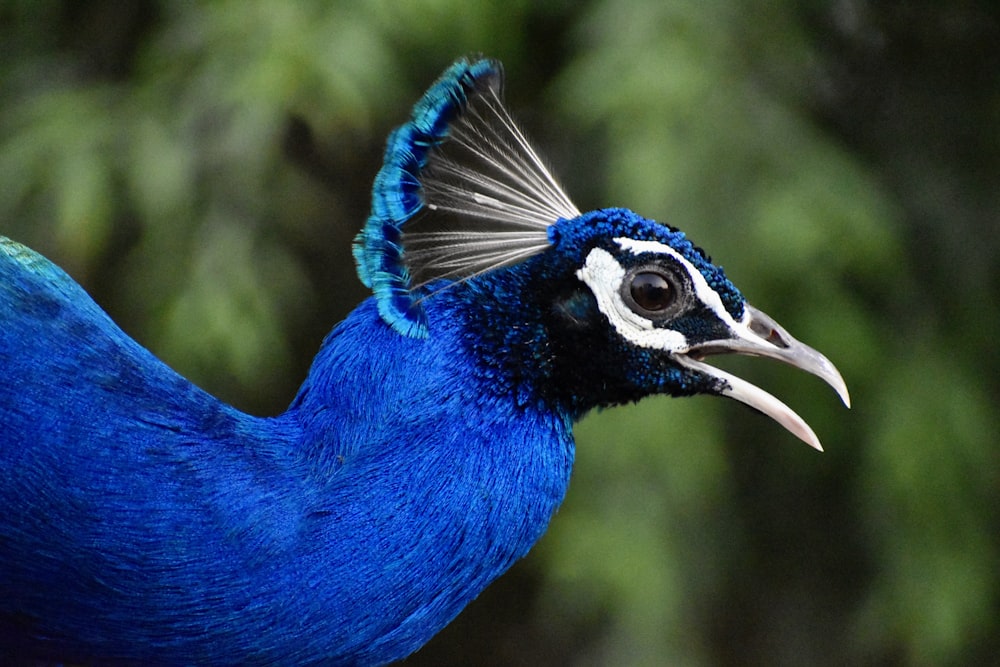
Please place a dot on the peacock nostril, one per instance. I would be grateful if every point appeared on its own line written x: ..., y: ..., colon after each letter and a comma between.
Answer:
x: 767, y: 329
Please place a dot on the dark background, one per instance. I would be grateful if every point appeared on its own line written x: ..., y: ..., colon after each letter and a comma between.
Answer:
x: 201, y: 169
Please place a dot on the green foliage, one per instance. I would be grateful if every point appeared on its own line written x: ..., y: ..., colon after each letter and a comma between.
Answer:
x: 930, y: 500
x: 201, y: 168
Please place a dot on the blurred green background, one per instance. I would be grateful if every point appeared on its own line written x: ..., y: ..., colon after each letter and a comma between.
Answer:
x: 201, y: 167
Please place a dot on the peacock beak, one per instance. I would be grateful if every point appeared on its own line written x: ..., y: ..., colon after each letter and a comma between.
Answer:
x: 759, y: 335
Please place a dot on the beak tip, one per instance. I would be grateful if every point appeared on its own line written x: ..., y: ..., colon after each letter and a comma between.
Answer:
x: 804, y: 433
x: 840, y: 387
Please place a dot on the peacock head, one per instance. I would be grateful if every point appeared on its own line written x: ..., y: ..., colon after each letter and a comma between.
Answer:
x: 593, y: 308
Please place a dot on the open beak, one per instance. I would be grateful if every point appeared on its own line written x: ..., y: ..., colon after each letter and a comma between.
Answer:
x: 759, y: 335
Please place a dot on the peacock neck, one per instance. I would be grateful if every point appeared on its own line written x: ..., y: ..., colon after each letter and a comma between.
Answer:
x: 441, y: 482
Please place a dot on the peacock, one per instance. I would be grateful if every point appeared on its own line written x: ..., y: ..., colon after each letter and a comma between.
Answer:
x: 146, y: 522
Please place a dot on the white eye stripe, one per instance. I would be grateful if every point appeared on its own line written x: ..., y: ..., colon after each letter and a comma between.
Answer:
x: 602, y: 273
x: 702, y: 290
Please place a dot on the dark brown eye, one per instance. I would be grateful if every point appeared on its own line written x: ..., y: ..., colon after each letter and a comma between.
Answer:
x: 651, y: 291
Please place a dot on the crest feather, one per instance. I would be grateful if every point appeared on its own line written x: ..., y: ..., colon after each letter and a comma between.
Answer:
x: 460, y: 192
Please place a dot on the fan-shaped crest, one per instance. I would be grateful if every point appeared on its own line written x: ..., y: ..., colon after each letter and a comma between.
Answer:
x: 460, y: 192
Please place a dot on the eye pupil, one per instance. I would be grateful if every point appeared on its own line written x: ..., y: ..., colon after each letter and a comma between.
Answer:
x: 651, y: 291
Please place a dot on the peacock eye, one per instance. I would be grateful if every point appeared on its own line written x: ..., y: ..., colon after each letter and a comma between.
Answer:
x: 651, y: 291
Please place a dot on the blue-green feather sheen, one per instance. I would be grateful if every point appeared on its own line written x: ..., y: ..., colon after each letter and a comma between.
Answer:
x: 378, y: 249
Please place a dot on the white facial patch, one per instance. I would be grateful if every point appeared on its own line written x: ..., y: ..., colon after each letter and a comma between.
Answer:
x: 603, y: 274
x: 705, y: 294
x: 702, y: 290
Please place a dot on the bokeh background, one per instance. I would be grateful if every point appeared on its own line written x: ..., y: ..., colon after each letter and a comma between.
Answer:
x: 201, y: 168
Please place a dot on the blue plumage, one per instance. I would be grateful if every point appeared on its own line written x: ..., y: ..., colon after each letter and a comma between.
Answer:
x: 147, y: 522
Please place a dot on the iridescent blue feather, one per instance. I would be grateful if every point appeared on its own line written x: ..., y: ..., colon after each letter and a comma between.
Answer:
x: 146, y: 522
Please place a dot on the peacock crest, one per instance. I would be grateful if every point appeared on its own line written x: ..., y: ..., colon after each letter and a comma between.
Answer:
x: 461, y: 192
